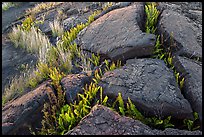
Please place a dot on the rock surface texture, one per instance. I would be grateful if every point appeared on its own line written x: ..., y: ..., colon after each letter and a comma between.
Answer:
x: 25, y: 112
x: 192, y: 72
x: 117, y: 34
x: 186, y: 29
x: 150, y: 85
x: 103, y: 121
x: 181, y: 32
x: 73, y: 84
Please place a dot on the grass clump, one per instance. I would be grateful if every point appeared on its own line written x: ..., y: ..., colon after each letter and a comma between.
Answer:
x: 17, y: 86
x: 42, y: 6
x: 57, y: 28
x: 190, y: 124
x: 32, y: 41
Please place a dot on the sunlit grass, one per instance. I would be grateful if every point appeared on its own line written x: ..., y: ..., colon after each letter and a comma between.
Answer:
x: 42, y: 6
x: 57, y: 28
x: 32, y: 41
x: 17, y: 86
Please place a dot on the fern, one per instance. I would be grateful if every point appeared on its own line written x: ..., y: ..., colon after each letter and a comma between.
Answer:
x: 190, y: 124
x: 133, y: 111
x: 181, y: 83
x: 151, y: 17
x: 97, y: 75
x: 112, y: 66
x: 121, y: 104
x: 95, y: 59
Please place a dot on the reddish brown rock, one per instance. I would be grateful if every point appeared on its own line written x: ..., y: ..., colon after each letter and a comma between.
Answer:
x: 25, y: 112
x: 73, y: 84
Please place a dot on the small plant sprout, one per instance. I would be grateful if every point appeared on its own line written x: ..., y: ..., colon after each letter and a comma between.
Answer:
x: 112, y: 66
x: 159, y: 123
x: 132, y: 111
x: 103, y: 101
x: 190, y: 124
x: 95, y: 59
x: 182, y: 83
x: 97, y: 75
x: 121, y: 104
x: 28, y: 23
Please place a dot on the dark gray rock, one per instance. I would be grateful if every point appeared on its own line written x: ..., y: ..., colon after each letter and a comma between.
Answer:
x: 71, y: 12
x: 193, y: 12
x: 171, y: 131
x: 12, y: 59
x: 94, y: 6
x: 25, y: 112
x: 103, y: 121
x: 13, y: 13
x: 184, y: 8
x: 150, y: 85
x: 184, y: 34
x: 117, y: 34
x: 192, y: 72
x: 73, y: 84
x: 73, y: 21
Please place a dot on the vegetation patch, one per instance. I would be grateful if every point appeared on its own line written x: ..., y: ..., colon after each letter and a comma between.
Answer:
x: 28, y: 37
x: 42, y: 6
x: 57, y: 28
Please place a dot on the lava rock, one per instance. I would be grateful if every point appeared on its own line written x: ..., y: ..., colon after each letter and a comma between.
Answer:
x: 103, y: 121
x: 151, y: 86
x: 184, y: 34
x: 192, y: 90
x: 117, y: 34
x: 73, y: 85
x: 171, y: 131
x: 71, y: 12
x: 25, y: 112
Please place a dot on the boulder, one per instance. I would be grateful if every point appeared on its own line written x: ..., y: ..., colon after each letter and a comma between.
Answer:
x: 103, y: 121
x: 118, y: 34
x: 73, y: 84
x: 184, y: 34
x: 151, y: 86
x: 25, y: 112
x: 192, y: 72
